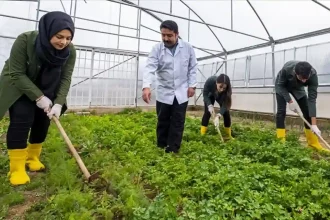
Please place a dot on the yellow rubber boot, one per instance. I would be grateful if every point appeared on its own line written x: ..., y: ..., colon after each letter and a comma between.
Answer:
x: 280, y: 132
x: 203, y: 130
x: 313, y: 140
x: 228, y: 132
x: 32, y: 161
x: 17, y: 173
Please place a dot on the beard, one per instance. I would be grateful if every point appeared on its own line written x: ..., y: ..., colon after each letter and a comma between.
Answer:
x: 168, y: 43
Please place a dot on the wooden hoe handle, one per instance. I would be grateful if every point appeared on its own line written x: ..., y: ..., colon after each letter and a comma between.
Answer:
x: 72, y: 149
x: 309, y: 125
x: 217, y: 127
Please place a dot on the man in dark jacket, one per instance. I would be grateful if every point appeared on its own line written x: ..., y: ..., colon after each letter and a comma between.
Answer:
x: 292, y: 78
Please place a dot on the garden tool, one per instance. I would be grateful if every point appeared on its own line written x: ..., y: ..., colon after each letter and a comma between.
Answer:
x: 310, y: 126
x: 81, y: 164
x: 217, y: 127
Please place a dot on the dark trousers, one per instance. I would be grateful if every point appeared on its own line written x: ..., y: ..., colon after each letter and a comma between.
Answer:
x: 281, y: 110
x: 207, y: 116
x: 25, y: 115
x: 170, y: 125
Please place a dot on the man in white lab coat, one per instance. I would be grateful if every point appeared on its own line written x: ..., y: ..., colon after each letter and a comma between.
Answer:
x: 175, y: 65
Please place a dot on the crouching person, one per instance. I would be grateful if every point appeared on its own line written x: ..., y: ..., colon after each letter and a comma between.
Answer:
x: 34, y: 84
x: 217, y: 89
x: 292, y: 78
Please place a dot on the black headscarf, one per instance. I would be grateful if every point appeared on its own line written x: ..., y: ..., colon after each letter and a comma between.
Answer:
x: 52, y: 59
x: 49, y: 25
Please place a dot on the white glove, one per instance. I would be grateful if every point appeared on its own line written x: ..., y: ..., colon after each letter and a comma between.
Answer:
x: 216, y: 120
x: 211, y: 109
x: 315, y: 130
x: 44, y: 103
x: 55, y: 111
x: 293, y: 107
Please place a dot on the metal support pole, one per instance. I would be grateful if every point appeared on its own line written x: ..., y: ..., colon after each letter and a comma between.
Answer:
x: 248, y: 69
x: 265, y: 69
x: 273, y: 73
x: 75, y: 11
x: 37, y: 18
x: 189, y: 26
x: 231, y: 14
x: 226, y: 64
x: 91, y: 79
x: 119, y: 21
x: 171, y: 6
x: 138, y: 59
x: 71, y: 1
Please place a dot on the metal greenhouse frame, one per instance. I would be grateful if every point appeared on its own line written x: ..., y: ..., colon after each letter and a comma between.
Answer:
x: 132, y: 58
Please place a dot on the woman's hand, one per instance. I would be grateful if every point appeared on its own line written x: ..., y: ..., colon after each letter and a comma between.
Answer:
x: 55, y: 111
x: 44, y: 103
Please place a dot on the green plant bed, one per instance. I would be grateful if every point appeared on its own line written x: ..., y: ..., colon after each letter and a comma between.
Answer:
x: 252, y: 177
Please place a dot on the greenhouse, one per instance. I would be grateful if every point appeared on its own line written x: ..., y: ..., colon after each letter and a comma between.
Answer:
x: 253, y: 176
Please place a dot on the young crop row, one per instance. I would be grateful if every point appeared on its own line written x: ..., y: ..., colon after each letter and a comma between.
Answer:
x: 252, y: 177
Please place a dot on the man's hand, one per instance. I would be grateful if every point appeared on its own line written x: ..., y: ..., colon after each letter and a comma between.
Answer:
x: 191, y: 92
x: 44, y: 103
x: 316, y: 130
x: 293, y: 107
x: 211, y: 109
x: 146, y: 95
x: 216, y: 120
x: 55, y: 111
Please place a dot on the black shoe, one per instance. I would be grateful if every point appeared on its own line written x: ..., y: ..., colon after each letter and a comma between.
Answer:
x: 171, y: 149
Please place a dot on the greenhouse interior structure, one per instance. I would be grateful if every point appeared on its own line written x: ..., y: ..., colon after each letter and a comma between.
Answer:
x: 248, y: 40
x: 239, y: 171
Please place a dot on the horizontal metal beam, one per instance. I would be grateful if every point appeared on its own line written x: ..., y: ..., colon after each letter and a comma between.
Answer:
x: 110, y: 50
x: 96, y: 21
x: 158, y: 32
x: 280, y: 41
x: 118, y: 64
x: 103, y: 32
x: 7, y: 37
x: 303, y: 36
x: 199, y: 48
x: 98, y: 49
x: 121, y: 35
x: 187, y: 19
x: 19, y: 18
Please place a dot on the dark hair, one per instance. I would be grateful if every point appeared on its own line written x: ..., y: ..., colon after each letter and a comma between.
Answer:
x: 171, y: 25
x: 225, y: 79
x: 303, y: 69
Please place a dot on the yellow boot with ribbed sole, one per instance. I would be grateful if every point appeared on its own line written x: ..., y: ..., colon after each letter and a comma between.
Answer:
x: 313, y: 140
x: 203, y: 130
x: 280, y: 133
x: 32, y: 161
x: 17, y: 173
x: 228, y: 133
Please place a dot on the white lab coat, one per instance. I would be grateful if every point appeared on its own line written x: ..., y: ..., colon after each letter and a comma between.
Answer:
x: 174, y: 74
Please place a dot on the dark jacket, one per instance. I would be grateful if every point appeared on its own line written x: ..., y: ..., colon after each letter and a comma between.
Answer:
x: 22, y: 69
x: 286, y: 82
x: 210, y: 91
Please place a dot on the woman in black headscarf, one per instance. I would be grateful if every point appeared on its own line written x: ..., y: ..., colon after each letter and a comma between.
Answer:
x: 34, y: 84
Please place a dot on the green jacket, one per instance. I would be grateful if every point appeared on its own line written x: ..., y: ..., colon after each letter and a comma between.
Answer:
x: 286, y: 82
x: 210, y: 92
x: 22, y: 69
